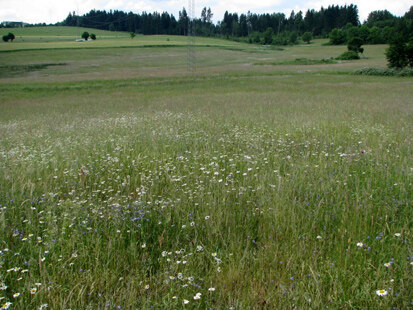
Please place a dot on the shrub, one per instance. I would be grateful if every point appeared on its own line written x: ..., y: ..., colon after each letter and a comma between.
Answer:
x: 355, y: 45
x: 384, y: 72
x: 293, y: 38
x: 307, y: 37
x: 337, y: 36
x: 85, y: 35
x: 257, y: 38
x: 409, y: 53
x: 93, y: 36
x: 348, y: 55
x: 11, y: 36
x: 396, y: 54
x: 132, y: 35
x: 6, y: 38
x: 268, y: 35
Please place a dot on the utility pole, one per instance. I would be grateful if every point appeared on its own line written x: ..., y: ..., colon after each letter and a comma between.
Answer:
x: 191, y: 62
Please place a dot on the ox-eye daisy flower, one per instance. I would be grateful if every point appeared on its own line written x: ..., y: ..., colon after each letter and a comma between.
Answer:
x: 381, y: 292
x: 6, y: 305
x: 360, y: 244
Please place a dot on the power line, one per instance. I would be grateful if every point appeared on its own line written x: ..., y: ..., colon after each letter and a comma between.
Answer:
x: 191, y: 62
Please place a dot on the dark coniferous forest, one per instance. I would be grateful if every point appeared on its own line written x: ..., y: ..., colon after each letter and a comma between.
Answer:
x: 339, y: 23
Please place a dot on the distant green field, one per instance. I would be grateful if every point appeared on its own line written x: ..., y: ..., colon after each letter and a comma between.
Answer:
x: 58, y: 31
x: 65, y: 37
x: 270, y: 178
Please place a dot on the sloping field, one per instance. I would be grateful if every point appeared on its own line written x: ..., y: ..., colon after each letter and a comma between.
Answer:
x: 262, y: 181
x: 65, y: 37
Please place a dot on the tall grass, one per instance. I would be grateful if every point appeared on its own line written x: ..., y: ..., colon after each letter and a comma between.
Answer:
x: 244, y: 191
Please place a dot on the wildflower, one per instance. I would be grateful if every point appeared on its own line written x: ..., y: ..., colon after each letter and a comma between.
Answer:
x: 33, y: 291
x: 319, y: 237
x: 363, y: 151
x: 199, y: 248
x: 143, y: 245
x: 387, y: 265
x: 197, y: 296
x: 219, y: 269
x: 16, y: 295
x: 360, y: 244
x: 6, y: 305
x: 3, y: 287
x: 211, y: 289
x: 186, y: 301
x: 381, y: 292
x: 146, y: 286
x: 207, y: 217
x: 38, y: 284
x: 214, y: 254
x: 397, y: 234
x: 174, y: 297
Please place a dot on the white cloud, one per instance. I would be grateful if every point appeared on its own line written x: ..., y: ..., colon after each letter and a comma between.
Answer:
x: 396, y: 7
x: 48, y: 11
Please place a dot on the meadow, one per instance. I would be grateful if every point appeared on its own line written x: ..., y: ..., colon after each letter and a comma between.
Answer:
x: 271, y: 178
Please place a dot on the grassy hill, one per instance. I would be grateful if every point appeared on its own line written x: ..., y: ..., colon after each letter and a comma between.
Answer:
x: 65, y: 37
x: 58, y: 31
x: 268, y: 179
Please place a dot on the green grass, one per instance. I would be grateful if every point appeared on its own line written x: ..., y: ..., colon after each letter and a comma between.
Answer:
x: 125, y: 181
x: 37, y: 38
x: 299, y: 61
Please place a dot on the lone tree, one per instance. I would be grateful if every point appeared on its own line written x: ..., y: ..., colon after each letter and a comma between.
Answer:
x: 11, y: 36
x: 85, y: 35
x: 93, y: 36
x: 8, y: 37
x: 355, y: 45
x: 132, y: 35
x: 396, y: 54
x: 307, y: 37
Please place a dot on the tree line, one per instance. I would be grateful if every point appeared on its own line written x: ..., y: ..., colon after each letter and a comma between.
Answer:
x: 381, y: 27
x: 319, y: 23
x: 339, y: 23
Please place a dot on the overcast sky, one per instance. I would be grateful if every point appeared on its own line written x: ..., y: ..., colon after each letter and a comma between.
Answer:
x: 51, y: 11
